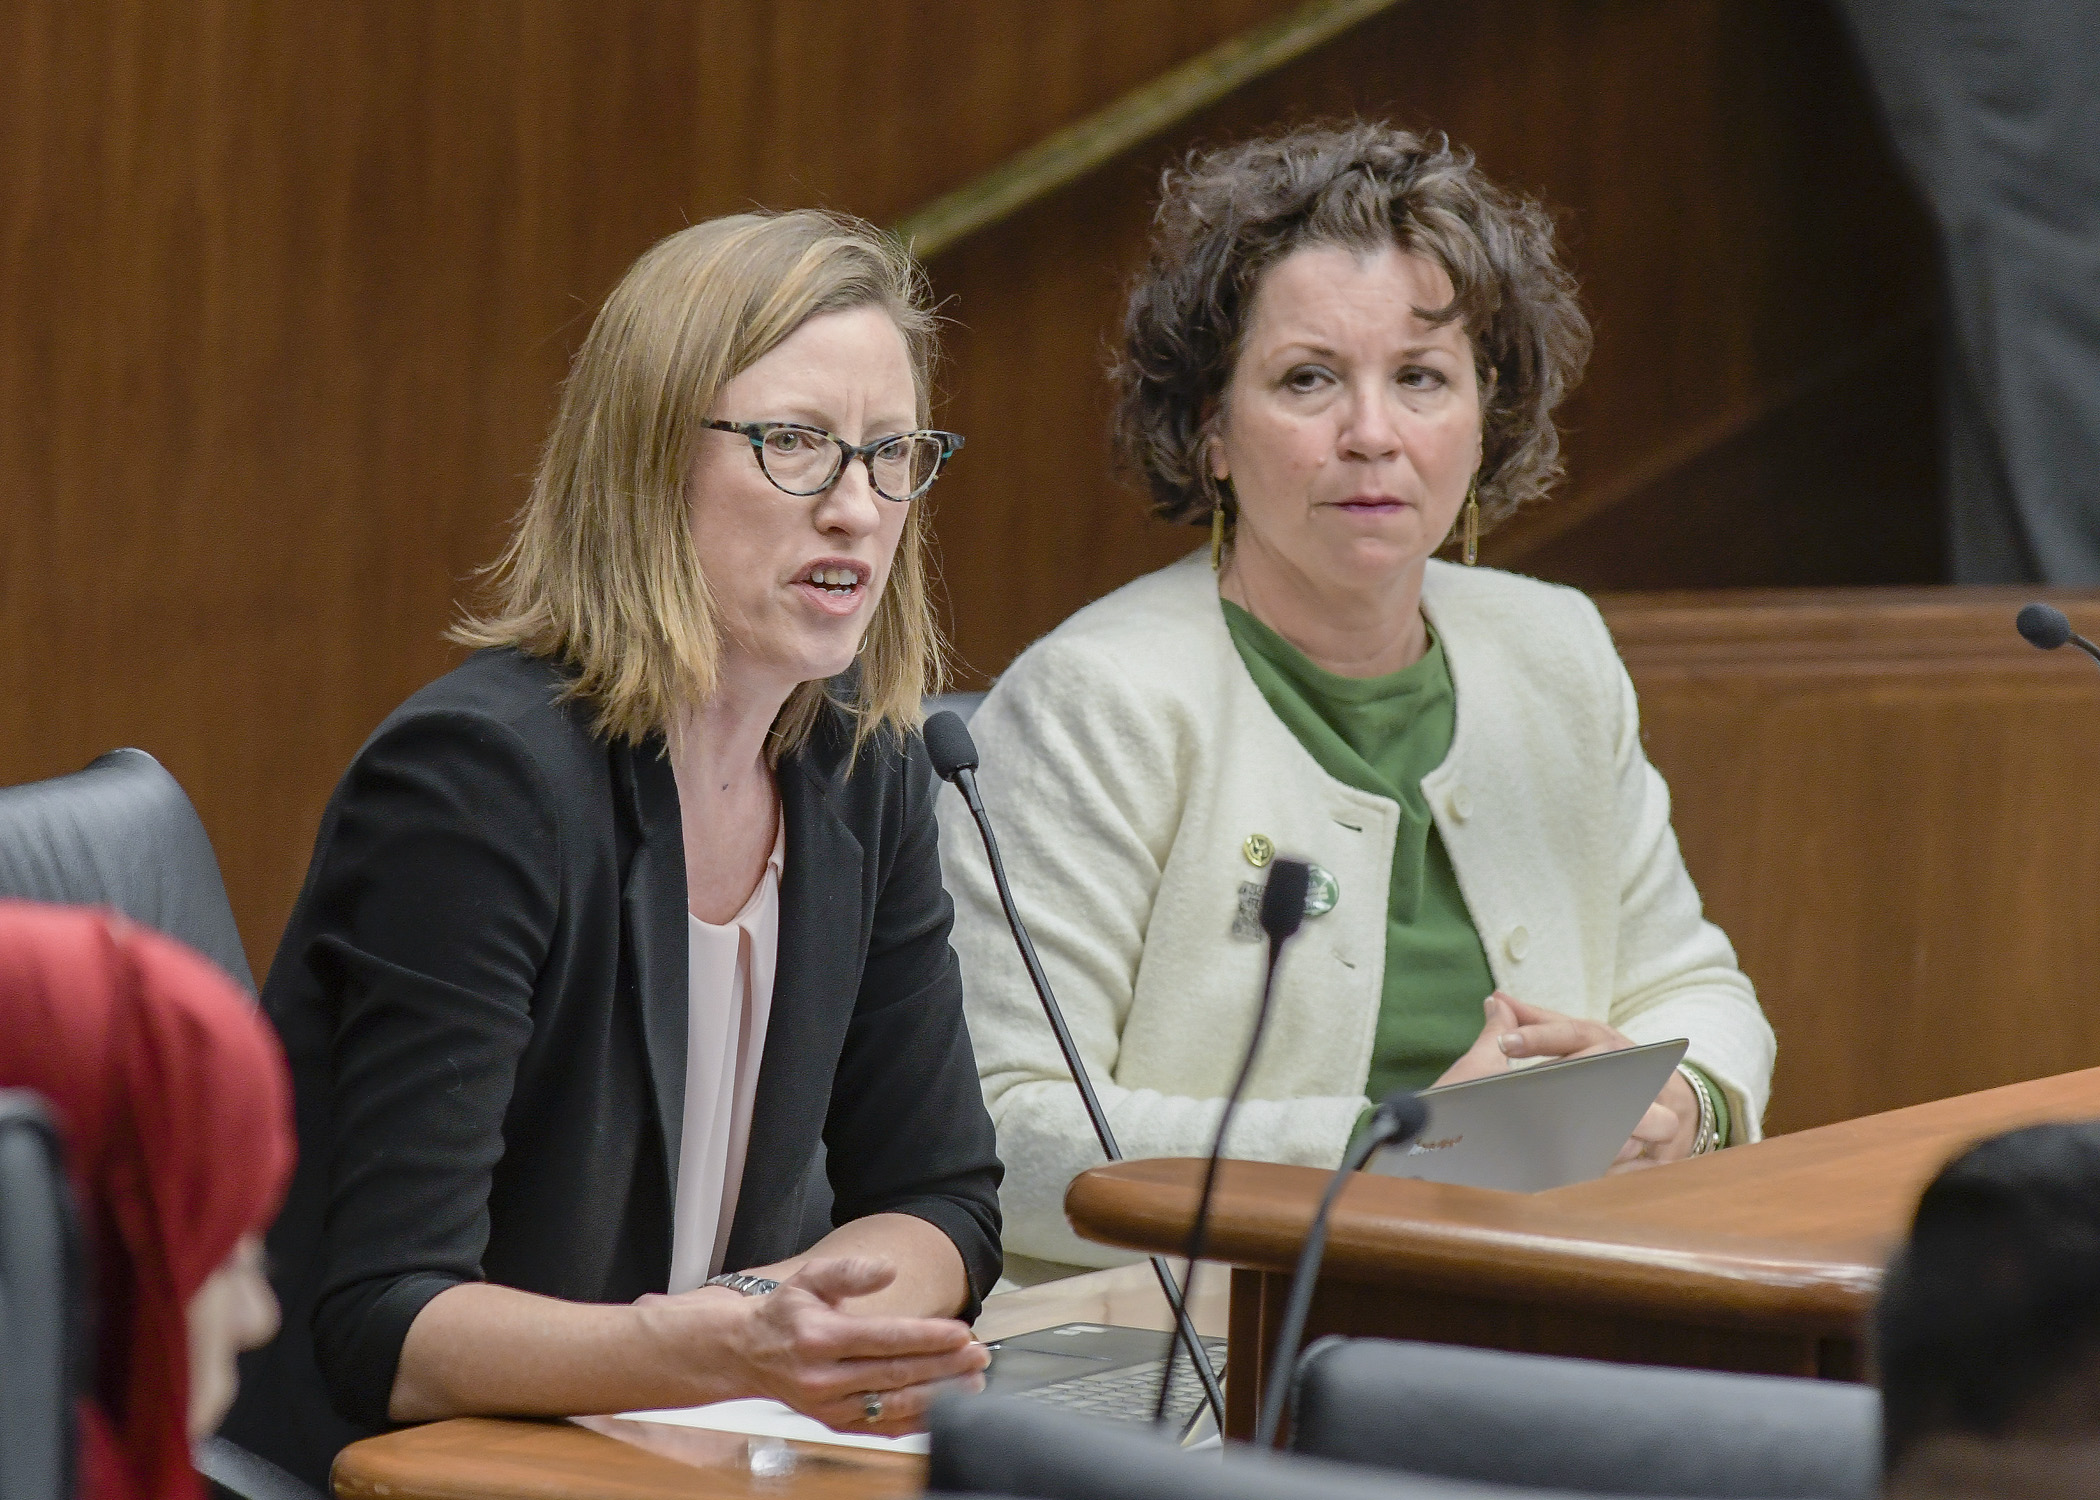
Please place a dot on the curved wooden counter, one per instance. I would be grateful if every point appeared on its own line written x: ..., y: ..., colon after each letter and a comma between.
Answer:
x: 1427, y: 1236
x: 1762, y: 1258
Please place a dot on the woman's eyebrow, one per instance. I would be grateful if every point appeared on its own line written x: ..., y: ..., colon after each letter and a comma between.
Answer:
x: 805, y: 414
x: 1305, y: 346
x: 1294, y: 347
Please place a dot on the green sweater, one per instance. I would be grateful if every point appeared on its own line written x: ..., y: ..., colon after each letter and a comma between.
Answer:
x: 1383, y: 735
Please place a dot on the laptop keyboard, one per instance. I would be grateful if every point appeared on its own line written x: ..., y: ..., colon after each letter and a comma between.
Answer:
x: 1131, y: 1393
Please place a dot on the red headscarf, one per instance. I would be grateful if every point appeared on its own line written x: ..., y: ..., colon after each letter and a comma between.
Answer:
x: 175, y: 1104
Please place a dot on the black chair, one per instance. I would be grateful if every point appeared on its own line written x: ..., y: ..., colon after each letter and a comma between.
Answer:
x: 1010, y: 1446
x: 121, y: 833
x: 40, y: 1295
x: 1583, y: 1425
x: 249, y: 1475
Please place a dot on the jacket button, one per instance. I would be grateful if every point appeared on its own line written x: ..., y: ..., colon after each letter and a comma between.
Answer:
x: 1517, y: 944
x: 1460, y: 803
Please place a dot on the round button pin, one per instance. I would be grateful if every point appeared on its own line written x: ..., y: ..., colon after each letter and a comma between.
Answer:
x: 1322, y: 890
x: 1259, y: 849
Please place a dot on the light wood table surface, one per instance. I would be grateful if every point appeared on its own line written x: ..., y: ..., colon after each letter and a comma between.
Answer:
x: 608, y: 1458
x: 1761, y: 1258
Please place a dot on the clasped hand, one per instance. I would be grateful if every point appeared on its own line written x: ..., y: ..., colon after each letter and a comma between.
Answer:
x: 1514, y: 1029
x: 797, y: 1345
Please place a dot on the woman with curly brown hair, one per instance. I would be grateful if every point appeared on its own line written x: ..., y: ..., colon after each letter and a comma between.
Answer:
x: 1343, y: 355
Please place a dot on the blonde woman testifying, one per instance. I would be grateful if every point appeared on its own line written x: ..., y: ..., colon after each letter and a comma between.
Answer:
x: 609, y: 931
x: 1345, y: 352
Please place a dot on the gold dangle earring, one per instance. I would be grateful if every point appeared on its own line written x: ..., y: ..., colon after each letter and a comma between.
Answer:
x: 1215, y: 483
x: 1469, y: 524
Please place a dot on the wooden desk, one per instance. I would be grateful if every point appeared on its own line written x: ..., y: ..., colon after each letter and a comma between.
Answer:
x: 1762, y: 1258
x: 606, y: 1458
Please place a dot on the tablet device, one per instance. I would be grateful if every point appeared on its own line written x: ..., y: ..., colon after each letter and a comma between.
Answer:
x: 1538, y: 1127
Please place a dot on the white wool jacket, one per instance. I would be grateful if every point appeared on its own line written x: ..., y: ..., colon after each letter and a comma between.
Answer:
x: 1127, y: 758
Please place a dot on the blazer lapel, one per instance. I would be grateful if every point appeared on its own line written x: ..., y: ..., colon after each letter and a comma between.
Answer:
x: 653, y: 912
x: 815, y: 985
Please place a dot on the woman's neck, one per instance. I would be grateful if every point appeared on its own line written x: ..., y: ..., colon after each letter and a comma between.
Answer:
x: 723, y: 741
x: 727, y: 803
x: 1351, y: 632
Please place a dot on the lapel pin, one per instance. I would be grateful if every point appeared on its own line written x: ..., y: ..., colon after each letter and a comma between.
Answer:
x: 1322, y: 891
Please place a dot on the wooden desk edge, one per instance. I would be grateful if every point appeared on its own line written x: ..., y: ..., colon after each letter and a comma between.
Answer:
x: 1466, y: 1239
x: 473, y: 1458
x: 491, y: 1458
x: 1641, y: 1244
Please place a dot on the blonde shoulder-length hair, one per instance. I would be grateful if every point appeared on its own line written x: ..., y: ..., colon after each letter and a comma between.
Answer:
x: 602, y: 571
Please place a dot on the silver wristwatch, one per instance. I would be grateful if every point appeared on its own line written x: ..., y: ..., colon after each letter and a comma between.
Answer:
x: 737, y: 1281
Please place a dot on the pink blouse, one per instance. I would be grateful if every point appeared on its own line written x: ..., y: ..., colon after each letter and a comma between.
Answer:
x: 729, y: 983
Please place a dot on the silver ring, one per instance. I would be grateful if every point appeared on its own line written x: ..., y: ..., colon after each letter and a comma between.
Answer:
x: 871, y: 1406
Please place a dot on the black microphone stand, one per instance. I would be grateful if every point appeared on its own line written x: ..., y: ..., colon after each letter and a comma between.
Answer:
x: 965, y: 780
x: 1282, y: 913
x: 1399, y: 1117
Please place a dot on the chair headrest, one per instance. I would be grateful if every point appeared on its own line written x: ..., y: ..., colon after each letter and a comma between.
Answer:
x: 1005, y: 1445
x: 121, y: 833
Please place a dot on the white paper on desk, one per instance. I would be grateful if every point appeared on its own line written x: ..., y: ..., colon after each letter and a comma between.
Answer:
x: 758, y: 1417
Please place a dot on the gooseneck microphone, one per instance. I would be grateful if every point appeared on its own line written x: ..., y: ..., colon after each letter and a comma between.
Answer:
x: 1282, y: 914
x: 1398, y: 1119
x: 954, y: 757
x: 2047, y: 627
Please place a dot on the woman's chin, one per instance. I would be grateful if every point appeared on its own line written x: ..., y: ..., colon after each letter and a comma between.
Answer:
x: 1374, y: 563
x: 820, y: 660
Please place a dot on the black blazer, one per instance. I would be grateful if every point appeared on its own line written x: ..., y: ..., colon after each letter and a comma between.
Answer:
x: 483, y: 995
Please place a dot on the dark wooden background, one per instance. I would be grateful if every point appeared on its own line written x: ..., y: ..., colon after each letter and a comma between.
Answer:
x: 286, y: 290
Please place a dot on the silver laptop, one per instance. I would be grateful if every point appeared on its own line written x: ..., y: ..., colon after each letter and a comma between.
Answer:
x: 1534, y: 1128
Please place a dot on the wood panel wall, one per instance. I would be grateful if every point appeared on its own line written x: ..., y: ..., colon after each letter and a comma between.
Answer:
x: 286, y: 289
x: 1885, y: 798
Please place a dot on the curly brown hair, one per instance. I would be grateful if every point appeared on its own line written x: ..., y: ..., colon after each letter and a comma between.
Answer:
x: 1226, y: 216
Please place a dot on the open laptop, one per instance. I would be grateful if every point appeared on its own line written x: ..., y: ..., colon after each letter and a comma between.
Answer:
x: 1534, y: 1128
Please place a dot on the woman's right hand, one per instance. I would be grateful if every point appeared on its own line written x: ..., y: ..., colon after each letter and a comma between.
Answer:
x: 1485, y: 1057
x: 795, y: 1345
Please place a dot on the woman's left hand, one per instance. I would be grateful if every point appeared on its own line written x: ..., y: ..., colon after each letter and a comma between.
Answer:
x: 1665, y: 1132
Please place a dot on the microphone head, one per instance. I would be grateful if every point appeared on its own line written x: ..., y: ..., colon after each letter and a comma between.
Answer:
x: 1283, y: 898
x: 1400, y: 1117
x: 948, y: 745
x: 2044, y: 625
